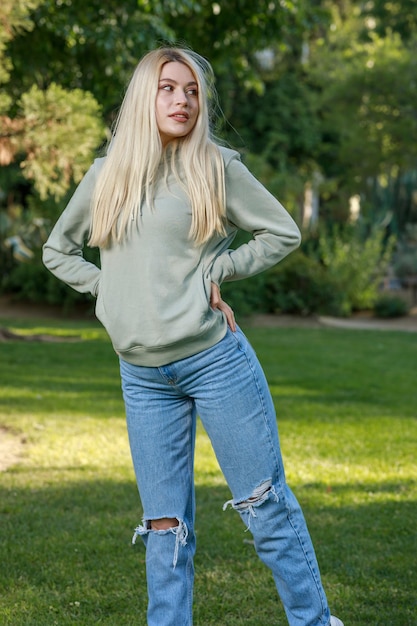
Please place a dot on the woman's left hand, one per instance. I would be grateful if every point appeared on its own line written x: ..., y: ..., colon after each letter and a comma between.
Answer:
x: 216, y: 302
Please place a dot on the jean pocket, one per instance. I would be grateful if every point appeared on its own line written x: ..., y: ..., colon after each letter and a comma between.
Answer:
x: 238, y: 337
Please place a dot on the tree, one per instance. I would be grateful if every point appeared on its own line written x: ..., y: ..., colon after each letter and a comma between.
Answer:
x: 93, y: 47
x: 82, y: 54
x: 367, y: 93
x: 13, y: 18
x: 395, y: 16
x: 52, y: 132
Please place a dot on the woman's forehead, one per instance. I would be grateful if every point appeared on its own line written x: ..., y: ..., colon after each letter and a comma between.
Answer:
x: 177, y: 72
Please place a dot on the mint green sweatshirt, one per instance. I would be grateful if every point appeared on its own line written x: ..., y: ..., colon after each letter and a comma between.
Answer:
x: 153, y: 290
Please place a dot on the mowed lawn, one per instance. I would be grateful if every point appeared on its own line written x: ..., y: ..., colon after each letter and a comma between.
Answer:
x: 346, y: 402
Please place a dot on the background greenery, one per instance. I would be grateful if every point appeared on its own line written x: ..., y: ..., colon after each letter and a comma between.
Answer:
x: 319, y: 97
x: 346, y: 409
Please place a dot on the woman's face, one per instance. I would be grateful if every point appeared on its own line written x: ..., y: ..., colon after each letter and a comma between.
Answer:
x: 177, y: 105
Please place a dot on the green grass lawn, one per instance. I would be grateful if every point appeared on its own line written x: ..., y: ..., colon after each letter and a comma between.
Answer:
x: 347, y: 406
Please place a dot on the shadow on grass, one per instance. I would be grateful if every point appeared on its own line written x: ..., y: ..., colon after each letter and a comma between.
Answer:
x: 348, y: 372
x: 41, y: 378
x: 67, y: 558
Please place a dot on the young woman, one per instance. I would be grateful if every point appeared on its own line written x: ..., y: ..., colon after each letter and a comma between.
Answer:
x: 163, y: 207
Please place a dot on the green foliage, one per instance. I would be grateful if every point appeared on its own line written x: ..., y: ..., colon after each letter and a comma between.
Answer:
x: 393, y: 17
x: 62, y: 130
x: 280, y: 133
x: 96, y: 47
x: 22, y: 273
x: 280, y: 123
x: 91, y: 46
x: 300, y: 285
x: 245, y: 296
x: 366, y: 90
x: 312, y: 92
x: 405, y: 258
x: 32, y: 282
x: 231, y: 33
x: 339, y: 273
x: 355, y: 265
x: 387, y: 306
x: 49, y: 131
x: 14, y: 18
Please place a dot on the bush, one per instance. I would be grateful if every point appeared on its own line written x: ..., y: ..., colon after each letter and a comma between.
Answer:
x: 356, y: 265
x: 246, y: 296
x: 390, y: 306
x: 405, y: 258
x: 32, y: 282
x: 300, y: 285
x: 339, y: 275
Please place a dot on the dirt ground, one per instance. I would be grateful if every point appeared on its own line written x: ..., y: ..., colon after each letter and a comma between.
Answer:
x: 12, y: 445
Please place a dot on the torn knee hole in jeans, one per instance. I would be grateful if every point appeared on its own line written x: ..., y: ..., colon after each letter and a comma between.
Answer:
x: 180, y: 531
x: 164, y: 523
x: 259, y: 495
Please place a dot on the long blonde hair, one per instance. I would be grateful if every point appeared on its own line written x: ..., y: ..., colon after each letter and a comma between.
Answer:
x: 135, y: 151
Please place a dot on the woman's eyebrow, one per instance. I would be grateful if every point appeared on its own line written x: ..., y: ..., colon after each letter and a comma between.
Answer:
x: 171, y: 80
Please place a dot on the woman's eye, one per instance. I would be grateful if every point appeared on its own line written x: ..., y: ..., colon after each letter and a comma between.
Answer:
x: 167, y: 87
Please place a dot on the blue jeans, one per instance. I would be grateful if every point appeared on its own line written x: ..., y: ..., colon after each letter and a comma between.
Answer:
x: 226, y: 387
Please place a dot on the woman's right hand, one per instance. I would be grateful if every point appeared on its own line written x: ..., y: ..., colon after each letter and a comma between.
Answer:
x: 216, y: 302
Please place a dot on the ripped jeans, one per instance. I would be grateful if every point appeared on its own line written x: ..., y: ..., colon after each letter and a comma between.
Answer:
x: 226, y: 387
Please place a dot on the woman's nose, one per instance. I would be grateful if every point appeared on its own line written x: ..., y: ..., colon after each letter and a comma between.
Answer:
x: 182, y: 97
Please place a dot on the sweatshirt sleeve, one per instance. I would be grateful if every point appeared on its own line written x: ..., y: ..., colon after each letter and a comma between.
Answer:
x: 252, y: 208
x: 63, y: 251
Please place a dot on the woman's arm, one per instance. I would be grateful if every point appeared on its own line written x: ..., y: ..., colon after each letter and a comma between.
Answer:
x: 252, y: 208
x: 63, y: 251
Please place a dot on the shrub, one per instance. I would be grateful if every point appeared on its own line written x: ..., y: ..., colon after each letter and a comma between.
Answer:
x: 246, y: 296
x: 300, y: 285
x: 405, y: 258
x: 356, y: 265
x: 390, y: 306
x: 32, y: 282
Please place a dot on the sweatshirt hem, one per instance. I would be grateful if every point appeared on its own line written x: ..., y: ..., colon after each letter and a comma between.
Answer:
x: 149, y: 357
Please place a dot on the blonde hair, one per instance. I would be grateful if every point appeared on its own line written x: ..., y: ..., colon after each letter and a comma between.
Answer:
x: 135, y: 151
